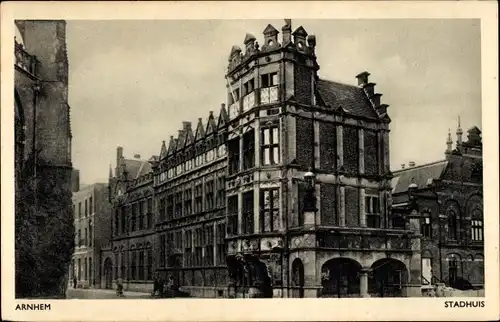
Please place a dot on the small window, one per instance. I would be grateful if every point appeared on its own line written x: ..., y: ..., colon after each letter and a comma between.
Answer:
x: 426, y: 228
x: 269, y: 80
x: 477, y: 230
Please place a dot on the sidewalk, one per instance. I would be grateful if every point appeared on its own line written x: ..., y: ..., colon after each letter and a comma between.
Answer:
x: 93, y: 293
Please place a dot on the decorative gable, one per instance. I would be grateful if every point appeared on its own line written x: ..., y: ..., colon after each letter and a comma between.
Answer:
x: 171, y: 145
x: 163, y: 151
x: 200, y: 131
x: 211, y: 125
x: 189, y: 137
x: 223, y: 117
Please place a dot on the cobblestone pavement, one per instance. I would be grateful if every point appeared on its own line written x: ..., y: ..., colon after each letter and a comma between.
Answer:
x: 80, y: 293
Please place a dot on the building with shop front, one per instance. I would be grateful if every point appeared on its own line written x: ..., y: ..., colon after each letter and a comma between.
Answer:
x: 287, y: 192
x: 129, y: 255
x: 92, y: 221
x: 448, y: 196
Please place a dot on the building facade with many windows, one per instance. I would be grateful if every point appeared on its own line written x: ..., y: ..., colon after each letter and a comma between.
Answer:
x: 248, y: 173
x: 448, y: 196
x: 91, y: 210
x: 129, y: 256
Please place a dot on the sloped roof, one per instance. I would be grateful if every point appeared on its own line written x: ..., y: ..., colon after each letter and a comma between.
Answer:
x: 419, y: 175
x: 351, y: 99
x: 137, y: 168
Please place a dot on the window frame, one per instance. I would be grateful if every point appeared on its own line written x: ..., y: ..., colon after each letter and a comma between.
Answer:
x: 271, y: 146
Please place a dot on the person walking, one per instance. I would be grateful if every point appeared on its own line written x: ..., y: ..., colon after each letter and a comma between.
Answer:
x: 119, y: 287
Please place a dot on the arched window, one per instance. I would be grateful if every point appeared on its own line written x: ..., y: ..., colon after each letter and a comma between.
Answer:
x: 477, y: 225
x: 425, y: 226
x: 452, y: 224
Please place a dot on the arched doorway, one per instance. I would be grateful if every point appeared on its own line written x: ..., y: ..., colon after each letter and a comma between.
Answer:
x: 388, y: 277
x: 108, y: 273
x: 297, y: 278
x: 340, y: 278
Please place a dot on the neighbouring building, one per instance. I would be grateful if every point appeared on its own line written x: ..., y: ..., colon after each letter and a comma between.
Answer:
x: 448, y: 197
x: 287, y: 193
x: 129, y: 255
x: 92, y: 218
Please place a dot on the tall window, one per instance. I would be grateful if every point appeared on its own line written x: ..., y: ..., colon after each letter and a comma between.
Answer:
x: 79, y: 238
x: 248, y: 87
x: 170, y: 206
x: 178, y: 205
x: 269, y: 217
x: 477, y: 230
x: 452, y: 224
x: 372, y: 211
x: 91, y: 205
x: 122, y: 265
x: 209, y: 195
x: 117, y: 221
x: 198, y: 199
x: 188, y: 248
x: 248, y: 150
x: 85, y: 271
x: 268, y: 92
x: 221, y: 247
x: 453, y: 270
x: 150, y: 213
x: 209, y: 245
x: 149, y: 264
x: 90, y: 233
x: 426, y: 228
x: 198, y: 245
x: 248, y: 213
x: 163, y: 254
x: 221, y: 192
x: 270, y: 146
x: 86, y: 208
x: 124, y: 211
x: 90, y: 269
x: 188, y: 201
x: 134, y: 217
x: 116, y: 267
x: 79, y: 210
x: 143, y: 210
x: 141, y: 265
x: 86, y: 240
x: 232, y: 220
x: 133, y: 267
x: 79, y: 269
x: 234, y: 155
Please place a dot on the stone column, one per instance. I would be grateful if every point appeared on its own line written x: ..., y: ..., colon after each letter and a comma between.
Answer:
x: 240, y: 213
x: 342, y: 206
x: 257, y: 144
x: 363, y: 282
x: 256, y: 208
x: 340, y: 146
x: 414, y: 283
x: 240, y: 168
x: 362, y: 213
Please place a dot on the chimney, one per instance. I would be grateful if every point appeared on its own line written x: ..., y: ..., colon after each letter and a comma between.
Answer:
x: 403, y: 166
x: 311, y: 42
x: 119, y: 156
x: 137, y: 156
x: 375, y: 98
x: 287, y: 31
x: 223, y: 105
x: 186, y: 125
x: 411, y: 164
x: 363, y: 78
x: 369, y: 89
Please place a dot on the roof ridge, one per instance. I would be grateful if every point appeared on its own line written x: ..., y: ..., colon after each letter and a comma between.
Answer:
x: 420, y: 166
x: 336, y: 82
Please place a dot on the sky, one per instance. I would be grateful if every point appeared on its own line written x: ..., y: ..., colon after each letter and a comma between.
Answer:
x: 132, y: 83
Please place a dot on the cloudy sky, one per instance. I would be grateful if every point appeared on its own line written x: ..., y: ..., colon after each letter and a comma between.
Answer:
x: 132, y: 83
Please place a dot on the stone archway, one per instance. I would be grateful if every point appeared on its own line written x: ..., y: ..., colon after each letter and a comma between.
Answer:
x: 340, y: 277
x: 108, y: 273
x: 388, y: 278
x: 297, y: 278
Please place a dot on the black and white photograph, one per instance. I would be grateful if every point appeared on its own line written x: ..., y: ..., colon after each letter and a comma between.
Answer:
x: 260, y: 158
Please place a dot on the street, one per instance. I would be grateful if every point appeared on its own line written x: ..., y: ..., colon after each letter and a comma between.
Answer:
x: 80, y: 293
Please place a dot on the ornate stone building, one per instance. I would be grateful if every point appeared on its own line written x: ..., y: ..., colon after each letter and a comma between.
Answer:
x: 296, y: 173
x: 189, y: 185
x: 129, y: 256
x: 448, y: 196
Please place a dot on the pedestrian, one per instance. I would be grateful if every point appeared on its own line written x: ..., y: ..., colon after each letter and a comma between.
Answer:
x: 156, y: 284
x: 119, y: 287
x: 74, y: 282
